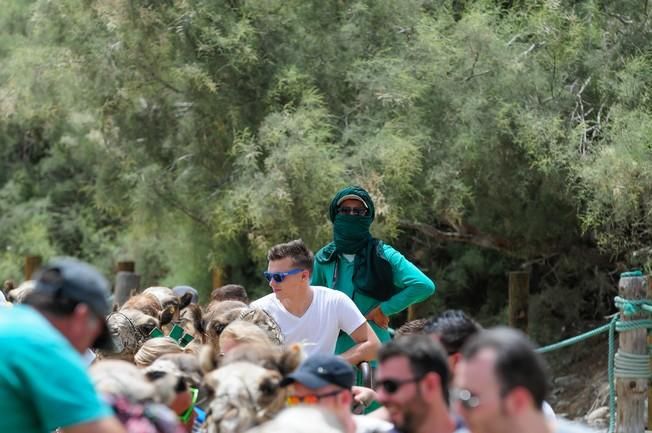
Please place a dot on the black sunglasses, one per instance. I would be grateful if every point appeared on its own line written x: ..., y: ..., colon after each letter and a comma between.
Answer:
x: 392, y: 385
x: 356, y: 211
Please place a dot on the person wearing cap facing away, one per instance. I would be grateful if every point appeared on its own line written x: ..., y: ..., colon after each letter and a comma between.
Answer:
x: 326, y: 380
x: 43, y: 381
x: 379, y: 279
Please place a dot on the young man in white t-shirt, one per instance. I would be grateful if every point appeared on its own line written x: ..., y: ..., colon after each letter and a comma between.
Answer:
x: 312, y: 315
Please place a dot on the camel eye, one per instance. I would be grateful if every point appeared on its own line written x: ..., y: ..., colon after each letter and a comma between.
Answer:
x: 147, y: 328
x: 219, y: 328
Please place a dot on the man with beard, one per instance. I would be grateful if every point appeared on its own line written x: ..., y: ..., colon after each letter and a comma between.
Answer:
x: 501, y: 382
x: 412, y: 381
x: 378, y: 278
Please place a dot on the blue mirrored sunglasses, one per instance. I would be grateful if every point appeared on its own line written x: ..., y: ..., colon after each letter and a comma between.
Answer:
x: 280, y: 276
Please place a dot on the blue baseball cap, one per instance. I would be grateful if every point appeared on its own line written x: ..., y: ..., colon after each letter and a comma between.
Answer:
x: 320, y: 370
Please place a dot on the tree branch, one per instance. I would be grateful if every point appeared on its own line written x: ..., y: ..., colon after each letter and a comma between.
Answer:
x: 469, y: 236
x: 180, y: 207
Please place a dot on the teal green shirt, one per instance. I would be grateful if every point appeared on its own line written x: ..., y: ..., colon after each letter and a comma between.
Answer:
x: 413, y: 284
x: 43, y: 382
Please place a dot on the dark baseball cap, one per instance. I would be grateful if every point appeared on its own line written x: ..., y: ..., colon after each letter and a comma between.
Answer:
x: 79, y: 282
x: 320, y: 370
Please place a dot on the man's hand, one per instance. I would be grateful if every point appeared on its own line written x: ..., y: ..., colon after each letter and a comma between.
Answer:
x: 362, y: 395
x: 378, y: 317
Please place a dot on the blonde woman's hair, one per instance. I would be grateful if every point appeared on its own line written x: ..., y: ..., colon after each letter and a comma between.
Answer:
x: 121, y: 378
x: 154, y: 348
x: 244, y: 332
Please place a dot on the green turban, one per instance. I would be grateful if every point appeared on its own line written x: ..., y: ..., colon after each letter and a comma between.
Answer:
x: 372, y: 273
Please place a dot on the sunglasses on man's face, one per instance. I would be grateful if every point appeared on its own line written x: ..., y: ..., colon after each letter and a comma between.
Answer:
x: 391, y: 386
x: 466, y: 398
x: 356, y: 211
x: 294, y: 400
x: 279, y: 276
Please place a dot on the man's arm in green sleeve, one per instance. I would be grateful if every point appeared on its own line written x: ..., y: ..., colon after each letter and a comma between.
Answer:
x: 413, y: 284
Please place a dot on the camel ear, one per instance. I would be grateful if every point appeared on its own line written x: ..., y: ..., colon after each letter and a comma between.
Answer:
x: 185, y: 300
x: 166, y: 315
x: 290, y: 359
x: 200, y: 325
x: 207, y: 358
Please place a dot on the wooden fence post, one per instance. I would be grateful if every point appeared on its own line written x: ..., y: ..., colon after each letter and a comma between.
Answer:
x: 127, y: 266
x: 519, y: 292
x: 217, y: 277
x: 126, y: 281
x: 31, y: 264
x: 631, y: 392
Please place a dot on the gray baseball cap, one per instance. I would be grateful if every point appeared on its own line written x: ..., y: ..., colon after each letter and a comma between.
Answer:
x: 78, y: 282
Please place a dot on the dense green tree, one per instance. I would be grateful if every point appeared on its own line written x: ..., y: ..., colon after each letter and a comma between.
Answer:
x: 193, y: 134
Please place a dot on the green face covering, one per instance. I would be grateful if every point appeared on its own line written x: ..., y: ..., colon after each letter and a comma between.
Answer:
x: 351, y: 233
x: 372, y: 273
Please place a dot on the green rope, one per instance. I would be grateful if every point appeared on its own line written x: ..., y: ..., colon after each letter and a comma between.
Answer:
x: 573, y: 340
x: 621, y: 364
x: 632, y: 365
x: 632, y: 306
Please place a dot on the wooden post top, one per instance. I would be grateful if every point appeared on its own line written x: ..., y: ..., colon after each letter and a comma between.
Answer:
x: 126, y: 266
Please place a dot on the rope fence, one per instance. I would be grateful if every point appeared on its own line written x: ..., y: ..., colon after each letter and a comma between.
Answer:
x: 621, y: 364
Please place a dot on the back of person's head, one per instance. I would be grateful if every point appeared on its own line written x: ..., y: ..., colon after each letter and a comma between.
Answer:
x: 154, y: 348
x: 230, y: 292
x: 412, y: 327
x: 423, y: 354
x: 296, y: 250
x: 242, y: 332
x: 517, y: 364
x: 453, y: 328
x: 66, y: 282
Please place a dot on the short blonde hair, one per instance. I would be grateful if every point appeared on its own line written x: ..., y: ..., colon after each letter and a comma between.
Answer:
x: 154, y: 348
x: 121, y: 378
x: 243, y: 332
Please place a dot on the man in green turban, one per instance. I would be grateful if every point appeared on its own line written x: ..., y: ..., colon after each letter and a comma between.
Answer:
x: 378, y: 278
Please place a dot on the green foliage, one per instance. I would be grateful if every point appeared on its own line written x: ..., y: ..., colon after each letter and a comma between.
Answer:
x: 193, y: 135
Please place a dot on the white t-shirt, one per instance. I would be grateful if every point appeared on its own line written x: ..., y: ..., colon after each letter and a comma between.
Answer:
x: 318, y: 328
